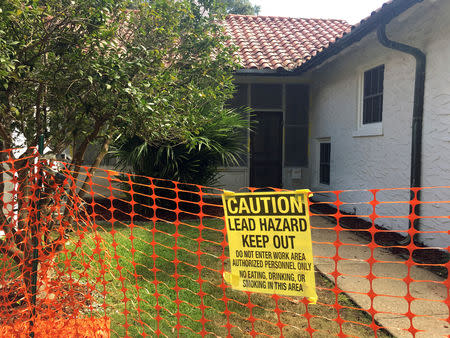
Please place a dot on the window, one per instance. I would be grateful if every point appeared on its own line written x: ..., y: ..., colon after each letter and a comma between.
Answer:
x: 266, y: 96
x: 325, y: 156
x: 373, y: 95
x: 296, y: 126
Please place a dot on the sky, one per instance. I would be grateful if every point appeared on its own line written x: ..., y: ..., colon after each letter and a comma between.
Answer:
x: 351, y: 10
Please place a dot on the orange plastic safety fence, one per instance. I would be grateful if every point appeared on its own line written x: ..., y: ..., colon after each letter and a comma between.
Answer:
x: 127, y: 255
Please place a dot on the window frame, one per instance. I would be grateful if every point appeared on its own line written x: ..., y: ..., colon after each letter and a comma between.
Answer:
x: 378, y: 94
x: 320, y: 163
x: 371, y: 128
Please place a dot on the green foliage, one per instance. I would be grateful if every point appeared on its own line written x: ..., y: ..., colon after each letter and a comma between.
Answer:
x: 218, y: 139
x: 91, y: 69
x: 243, y: 7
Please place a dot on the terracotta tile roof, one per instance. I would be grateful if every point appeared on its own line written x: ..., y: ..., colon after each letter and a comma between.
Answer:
x: 268, y: 42
x: 385, y: 13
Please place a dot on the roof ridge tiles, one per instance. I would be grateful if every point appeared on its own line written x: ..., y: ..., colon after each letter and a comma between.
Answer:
x: 284, y: 17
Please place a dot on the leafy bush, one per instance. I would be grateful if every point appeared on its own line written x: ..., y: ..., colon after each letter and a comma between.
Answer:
x: 218, y: 140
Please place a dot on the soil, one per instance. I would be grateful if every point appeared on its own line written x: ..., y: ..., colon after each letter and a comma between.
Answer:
x: 63, y: 299
x: 105, y: 209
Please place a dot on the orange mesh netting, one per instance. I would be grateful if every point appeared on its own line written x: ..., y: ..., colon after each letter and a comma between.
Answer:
x: 126, y: 255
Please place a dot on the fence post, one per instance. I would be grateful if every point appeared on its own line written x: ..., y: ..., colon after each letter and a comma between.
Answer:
x: 35, y: 240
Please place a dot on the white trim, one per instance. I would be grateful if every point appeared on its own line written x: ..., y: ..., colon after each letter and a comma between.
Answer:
x: 368, y: 129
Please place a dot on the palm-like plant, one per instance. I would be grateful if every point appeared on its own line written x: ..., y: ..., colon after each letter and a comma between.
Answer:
x: 214, y: 141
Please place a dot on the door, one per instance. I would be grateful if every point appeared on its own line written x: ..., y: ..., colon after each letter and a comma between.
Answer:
x: 266, y: 150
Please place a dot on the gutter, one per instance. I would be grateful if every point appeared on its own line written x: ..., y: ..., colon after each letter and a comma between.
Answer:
x: 263, y: 72
x: 382, y: 16
x: 417, y: 123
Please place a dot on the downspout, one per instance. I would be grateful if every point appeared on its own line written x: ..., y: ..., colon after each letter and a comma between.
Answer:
x: 417, y: 122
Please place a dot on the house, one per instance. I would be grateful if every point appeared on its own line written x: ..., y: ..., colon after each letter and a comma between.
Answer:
x: 269, y: 49
x: 370, y: 109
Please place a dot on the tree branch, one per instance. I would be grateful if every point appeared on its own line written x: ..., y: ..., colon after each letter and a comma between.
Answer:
x: 39, y: 119
x: 79, y: 154
x: 7, y: 139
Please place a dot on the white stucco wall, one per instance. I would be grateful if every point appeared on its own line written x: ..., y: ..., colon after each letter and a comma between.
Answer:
x: 233, y: 178
x: 436, y: 141
x: 383, y: 161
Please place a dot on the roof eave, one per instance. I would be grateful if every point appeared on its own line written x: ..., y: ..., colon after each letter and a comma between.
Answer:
x: 263, y: 72
x: 384, y: 15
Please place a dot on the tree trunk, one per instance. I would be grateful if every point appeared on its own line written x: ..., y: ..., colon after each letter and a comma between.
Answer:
x: 100, y: 156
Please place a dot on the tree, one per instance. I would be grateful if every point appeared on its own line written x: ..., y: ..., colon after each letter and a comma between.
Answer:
x: 243, y: 7
x: 86, y: 71
x: 89, y: 67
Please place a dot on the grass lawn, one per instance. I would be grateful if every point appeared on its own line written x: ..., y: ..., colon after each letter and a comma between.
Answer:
x: 132, y: 253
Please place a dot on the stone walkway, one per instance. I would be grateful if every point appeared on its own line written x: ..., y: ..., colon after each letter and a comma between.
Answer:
x: 389, y: 271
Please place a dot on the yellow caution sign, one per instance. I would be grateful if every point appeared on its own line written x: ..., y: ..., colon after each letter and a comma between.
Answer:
x: 269, y: 236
